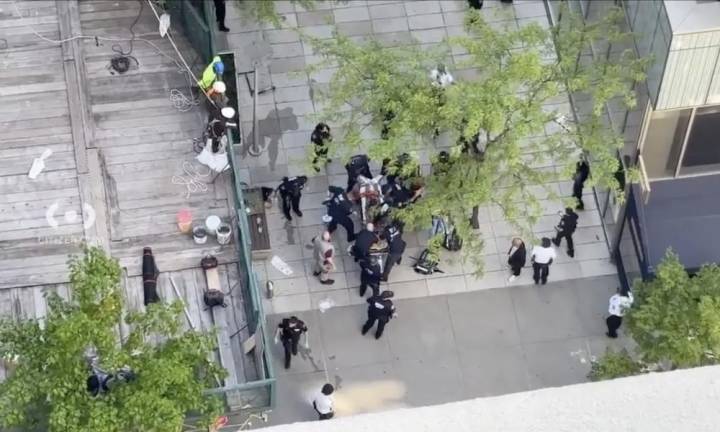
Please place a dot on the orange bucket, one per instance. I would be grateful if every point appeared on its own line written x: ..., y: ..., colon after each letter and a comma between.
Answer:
x: 184, y: 221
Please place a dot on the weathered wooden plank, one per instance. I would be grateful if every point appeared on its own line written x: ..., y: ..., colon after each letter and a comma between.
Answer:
x: 21, y: 165
x: 30, y: 142
x: 42, y: 233
x: 39, y: 195
x: 24, y: 280
x: 36, y: 209
x: 92, y: 194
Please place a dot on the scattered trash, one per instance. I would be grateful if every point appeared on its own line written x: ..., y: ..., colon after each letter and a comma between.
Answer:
x: 39, y: 164
x: 281, y: 265
x: 325, y: 304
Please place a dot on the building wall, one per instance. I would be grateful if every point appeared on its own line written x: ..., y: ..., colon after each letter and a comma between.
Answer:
x: 692, y: 73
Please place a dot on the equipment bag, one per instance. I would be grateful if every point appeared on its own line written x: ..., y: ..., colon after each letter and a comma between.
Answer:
x: 425, y: 265
x: 452, y: 241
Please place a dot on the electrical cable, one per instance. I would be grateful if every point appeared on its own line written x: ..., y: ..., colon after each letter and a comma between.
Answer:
x: 120, y: 63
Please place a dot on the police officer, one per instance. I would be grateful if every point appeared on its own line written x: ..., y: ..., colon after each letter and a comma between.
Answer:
x: 380, y: 309
x: 396, y: 247
x: 290, y: 194
x: 582, y: 172
x: 565, y: 229
x: 359, y: 165
x: 370, y: 275
x: 340, y: 209
x: 320, y: 137
x: 289, y: 332
x: 363, y: 242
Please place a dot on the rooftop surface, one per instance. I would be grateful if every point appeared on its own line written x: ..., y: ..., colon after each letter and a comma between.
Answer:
x: 118, y: 172
x: 693, y: 16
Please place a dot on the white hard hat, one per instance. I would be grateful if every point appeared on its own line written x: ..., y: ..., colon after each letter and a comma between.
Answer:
x: 228, y: 112
x: 219, y: 87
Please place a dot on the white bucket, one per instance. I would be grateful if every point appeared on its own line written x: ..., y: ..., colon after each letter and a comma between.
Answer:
x: 199, y: 235
x: 212, y: 223
x: 224, y: 233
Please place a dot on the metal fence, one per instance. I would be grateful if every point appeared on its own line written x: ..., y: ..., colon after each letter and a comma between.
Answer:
x: 195, y: 17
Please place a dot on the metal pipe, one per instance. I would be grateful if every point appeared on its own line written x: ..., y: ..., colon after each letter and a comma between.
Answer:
x: 254, y: 149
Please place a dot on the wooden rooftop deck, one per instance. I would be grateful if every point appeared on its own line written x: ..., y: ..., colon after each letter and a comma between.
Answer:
x: 117, y: 143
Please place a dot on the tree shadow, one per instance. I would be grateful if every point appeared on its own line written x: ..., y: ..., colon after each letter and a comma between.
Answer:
x: 272, y: 127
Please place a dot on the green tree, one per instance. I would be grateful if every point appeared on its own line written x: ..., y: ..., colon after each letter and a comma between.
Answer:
x: 675, y: 319
x: 519, y: 74
x: 614, y: 365
x: 47, y: 388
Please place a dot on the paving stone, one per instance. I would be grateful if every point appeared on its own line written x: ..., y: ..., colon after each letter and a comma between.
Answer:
x: 454, y: 18
x: 382, y: 11
x: 354, y: 28
x: 530, y: 10
x: 422, y: 7
x: 291, y: 79
x: 291, y: 94
x: 394, y: 39
x: 419, y: 22
x: 390, y: 25
x: 281, y: 36
x: 430, y: 35
x: 351, y: 14
x: 316, y: 17
x: 324, y: 31
x: 287, y: 50
x: 455, y: 5
x: 292, y: 64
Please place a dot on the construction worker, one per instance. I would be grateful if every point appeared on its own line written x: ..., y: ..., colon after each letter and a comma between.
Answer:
x: 212, y: 72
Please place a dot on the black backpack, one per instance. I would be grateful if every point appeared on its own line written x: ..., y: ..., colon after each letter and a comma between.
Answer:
x: 452, y: 241
x: 425, y: 265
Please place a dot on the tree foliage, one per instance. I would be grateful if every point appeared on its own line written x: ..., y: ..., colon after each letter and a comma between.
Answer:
x: 675, y: 321
x: 614, y: 365
x: 676, y: 318
x: 47, y: 388
x: 512, y: 104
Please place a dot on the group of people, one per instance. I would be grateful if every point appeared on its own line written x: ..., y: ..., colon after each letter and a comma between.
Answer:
x: 543, y: 255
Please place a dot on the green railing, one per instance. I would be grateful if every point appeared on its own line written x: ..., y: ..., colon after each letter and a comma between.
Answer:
x: 195, y: 17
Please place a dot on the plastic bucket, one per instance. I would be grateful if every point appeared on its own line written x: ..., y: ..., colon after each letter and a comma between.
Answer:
x: 212, y: 223
x: 199, y: 235
x: 224, y: 233
x: 184, y: 221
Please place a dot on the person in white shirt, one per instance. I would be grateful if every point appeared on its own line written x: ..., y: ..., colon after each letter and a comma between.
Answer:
x: 542, y: 256
x: 323, y: 402
x: 441, y: 77
x: 618, y: 305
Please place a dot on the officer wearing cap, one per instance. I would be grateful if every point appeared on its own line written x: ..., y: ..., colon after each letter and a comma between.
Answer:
x: 290, y: 193
x: 370, y: 275
x: 289, y: 331
x: 358, y: 166
x: 396, y: 247
x: 380, y: 309
x: 363, y: 242
x: 339, y: 210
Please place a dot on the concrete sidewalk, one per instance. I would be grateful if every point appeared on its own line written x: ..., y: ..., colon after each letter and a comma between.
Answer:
x: 447, y: 348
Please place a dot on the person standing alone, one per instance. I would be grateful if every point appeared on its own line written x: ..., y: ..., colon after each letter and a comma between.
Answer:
x: 565, y: 229
x: 618, y: 305
x: 220, y: 15
x: 542, y: 256
x: 323, y: 402
x: 290, y: 193
x: 289, y: 332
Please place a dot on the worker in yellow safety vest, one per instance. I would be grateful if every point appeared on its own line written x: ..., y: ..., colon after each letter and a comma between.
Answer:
x: 211, y: 73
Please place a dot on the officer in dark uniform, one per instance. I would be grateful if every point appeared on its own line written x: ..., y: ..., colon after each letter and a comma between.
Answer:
x: 290, y: 194
x: 565, y: 229
x: 396, y: 247
x: 358, y: 165
x: 340, y: 209
x: 370, y: 275
x: 320, y: 137
x: 363, y: 242
x: 380, y: 309
x: 582, y: 172
x: 289, y: 332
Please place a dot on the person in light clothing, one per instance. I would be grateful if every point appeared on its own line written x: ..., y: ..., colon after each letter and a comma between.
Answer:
x: 542, y: 256
x: 323, y: 253
x: 618, y: 305
x: 323, y: 402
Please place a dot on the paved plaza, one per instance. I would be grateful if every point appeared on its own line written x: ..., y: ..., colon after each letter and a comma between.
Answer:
x: 448, y: 348
x: 286, y: 121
